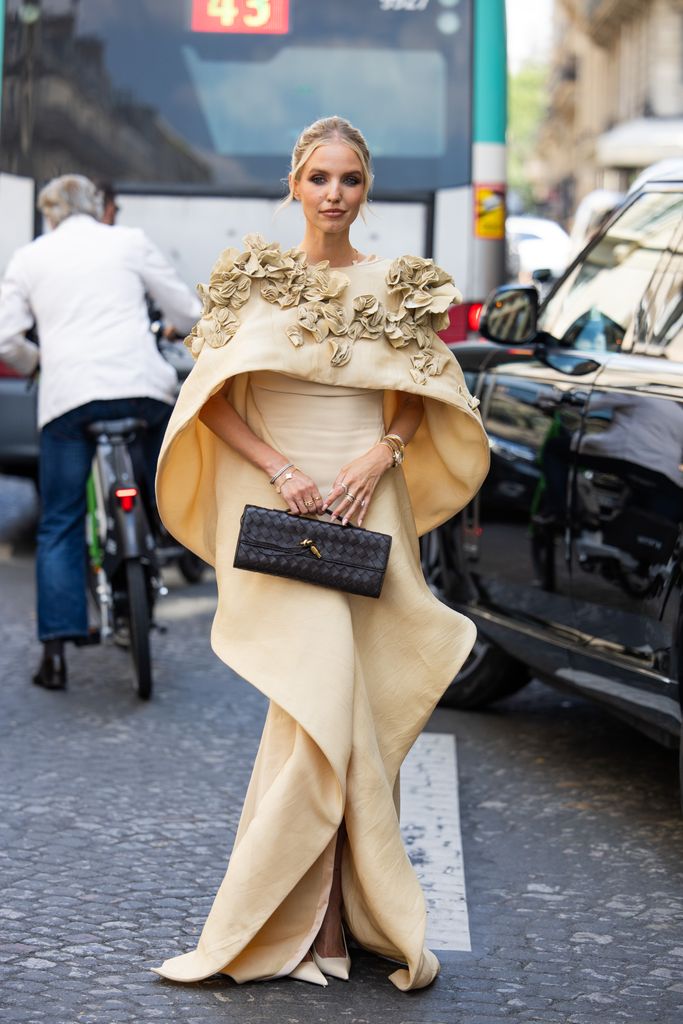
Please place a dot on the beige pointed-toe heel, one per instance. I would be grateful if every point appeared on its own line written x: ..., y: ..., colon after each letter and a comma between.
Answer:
x: 335, y: 966
x: 309, y: 971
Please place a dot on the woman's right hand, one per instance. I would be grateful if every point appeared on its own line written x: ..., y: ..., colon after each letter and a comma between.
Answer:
x: 302, y: 494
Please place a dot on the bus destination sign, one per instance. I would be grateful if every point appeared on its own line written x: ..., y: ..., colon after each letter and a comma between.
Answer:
x: 241, y: 16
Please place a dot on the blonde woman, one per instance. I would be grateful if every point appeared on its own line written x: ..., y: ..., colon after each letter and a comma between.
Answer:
x: 318, y: 369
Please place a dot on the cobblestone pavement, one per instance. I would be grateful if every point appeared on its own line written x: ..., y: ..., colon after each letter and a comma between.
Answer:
x: 117, y: 818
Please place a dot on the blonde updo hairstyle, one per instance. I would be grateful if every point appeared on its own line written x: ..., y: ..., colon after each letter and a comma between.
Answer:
x: 322, y: 132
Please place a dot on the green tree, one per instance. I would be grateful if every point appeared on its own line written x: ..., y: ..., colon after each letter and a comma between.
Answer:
x: 527, y: 105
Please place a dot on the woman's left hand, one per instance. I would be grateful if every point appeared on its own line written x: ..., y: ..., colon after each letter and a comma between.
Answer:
x: 355, y: 484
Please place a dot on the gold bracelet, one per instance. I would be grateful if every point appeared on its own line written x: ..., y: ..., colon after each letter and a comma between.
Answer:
x: 396, y: 453
x: 396, y: 441
x: 280, y: 472
x: 287, y: 478
x: 387, y: 444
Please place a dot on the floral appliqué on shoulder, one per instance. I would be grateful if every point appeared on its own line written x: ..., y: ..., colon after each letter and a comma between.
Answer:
x: 420, y: 291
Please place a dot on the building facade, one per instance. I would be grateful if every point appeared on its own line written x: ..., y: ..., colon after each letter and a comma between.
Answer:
x: 615, y: 97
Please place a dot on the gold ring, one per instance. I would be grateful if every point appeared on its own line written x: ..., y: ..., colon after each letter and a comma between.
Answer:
x: 350, y: 497
x: 309, y: 503
x: 362, y: 502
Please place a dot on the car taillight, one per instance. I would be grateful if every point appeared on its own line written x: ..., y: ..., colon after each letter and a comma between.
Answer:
x: 474, y: 315
x: 126, y: 496
x: 7, y: 371
x: 464, y: 320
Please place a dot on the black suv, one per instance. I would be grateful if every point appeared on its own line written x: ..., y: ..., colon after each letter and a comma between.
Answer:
x: 570, y: 558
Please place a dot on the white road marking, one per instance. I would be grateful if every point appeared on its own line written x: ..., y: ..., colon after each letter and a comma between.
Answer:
x: 430, y: 824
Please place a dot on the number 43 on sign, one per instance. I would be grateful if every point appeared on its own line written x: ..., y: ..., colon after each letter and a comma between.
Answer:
x: 241, y: 16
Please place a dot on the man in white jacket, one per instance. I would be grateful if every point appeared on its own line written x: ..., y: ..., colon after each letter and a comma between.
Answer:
x: 84, y: 284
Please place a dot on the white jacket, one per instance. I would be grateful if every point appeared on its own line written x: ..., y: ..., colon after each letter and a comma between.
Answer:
x: 84, y: 284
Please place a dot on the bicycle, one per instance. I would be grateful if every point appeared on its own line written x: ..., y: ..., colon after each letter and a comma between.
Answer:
x: 121, y: 547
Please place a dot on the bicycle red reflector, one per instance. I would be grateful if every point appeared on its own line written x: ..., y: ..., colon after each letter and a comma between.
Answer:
x: 126, y: 496
x: 7, y: 371
x: 474, y: 315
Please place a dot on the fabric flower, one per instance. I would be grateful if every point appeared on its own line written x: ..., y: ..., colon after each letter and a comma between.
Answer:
x: 397, y: 327
x: 425, y: 293
x: 402, y: 328
x: 214, y: 329
x: 295, y: 335
x: 229, y: 288
x: 261, y: 258
x: 228, y: 285
x: 226, y: 261
x: 431, y: 300
x: 286, y: 288
x: 335, y: 317
x: 470, y: 399
x: 323, y: 283
x: 207, y: 301
x: 421, y: 285
x: 225, y: 325
x: 427, y: 364
x: 195, y: 340
x: 402, y: 274
x: 341, y: 351
x: 311, y: 318
x: 440, y: 321
x: 369, y: 318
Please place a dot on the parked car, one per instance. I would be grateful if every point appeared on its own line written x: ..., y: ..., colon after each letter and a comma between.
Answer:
x: 570, y: 560
x: 18, y: 424
x: 535, y: 246
x: 591, y: 213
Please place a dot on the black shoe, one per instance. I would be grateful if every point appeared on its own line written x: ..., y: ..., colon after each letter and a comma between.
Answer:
x: 51, y: 674
x: 92, y: 638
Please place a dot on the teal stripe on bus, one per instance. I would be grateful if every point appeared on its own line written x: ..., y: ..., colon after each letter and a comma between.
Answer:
x: 490, y: 71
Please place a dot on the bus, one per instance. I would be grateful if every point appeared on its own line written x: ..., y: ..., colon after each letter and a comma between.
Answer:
x: 191, y: 109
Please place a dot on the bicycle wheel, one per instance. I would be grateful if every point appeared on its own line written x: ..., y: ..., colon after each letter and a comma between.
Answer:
x: 138, y: 622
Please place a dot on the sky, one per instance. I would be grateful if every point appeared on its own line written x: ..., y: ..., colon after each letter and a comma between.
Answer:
x: 529, y: 28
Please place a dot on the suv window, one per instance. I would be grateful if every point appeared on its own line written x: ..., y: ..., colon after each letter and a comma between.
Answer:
x: 593, y: 308
x: 658, y: 323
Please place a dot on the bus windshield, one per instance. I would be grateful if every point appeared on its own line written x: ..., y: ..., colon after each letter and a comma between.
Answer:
x: 216, y: 91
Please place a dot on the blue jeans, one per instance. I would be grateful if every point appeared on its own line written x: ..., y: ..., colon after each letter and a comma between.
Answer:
x: 66, y: 454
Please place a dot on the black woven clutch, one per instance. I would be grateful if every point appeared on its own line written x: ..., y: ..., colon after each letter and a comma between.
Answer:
x: 328, y: 554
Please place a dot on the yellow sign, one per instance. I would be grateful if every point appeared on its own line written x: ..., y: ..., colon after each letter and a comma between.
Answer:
x: 489, y: 211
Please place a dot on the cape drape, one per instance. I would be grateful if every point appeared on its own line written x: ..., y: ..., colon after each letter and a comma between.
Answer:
x: 351, y: 681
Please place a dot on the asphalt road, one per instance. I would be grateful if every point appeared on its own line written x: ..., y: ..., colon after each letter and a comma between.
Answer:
x: 117, y: 818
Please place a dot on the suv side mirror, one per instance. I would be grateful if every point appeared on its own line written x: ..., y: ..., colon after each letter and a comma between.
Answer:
x: 542, y: 275
x: 510, y: 314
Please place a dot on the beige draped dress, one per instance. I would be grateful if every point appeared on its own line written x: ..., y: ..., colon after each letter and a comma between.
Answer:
x: 351, y: 681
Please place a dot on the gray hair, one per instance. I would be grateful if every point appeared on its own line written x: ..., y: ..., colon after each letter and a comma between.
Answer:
x: 71, y: 193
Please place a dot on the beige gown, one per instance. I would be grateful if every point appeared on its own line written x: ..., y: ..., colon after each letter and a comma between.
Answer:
x: 351, y: 680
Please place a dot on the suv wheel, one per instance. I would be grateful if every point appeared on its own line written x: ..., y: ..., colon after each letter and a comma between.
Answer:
x: 489, y: 674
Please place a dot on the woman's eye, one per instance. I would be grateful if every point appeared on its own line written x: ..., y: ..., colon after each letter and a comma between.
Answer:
x: 352, y: 180
x: 318, y: 179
